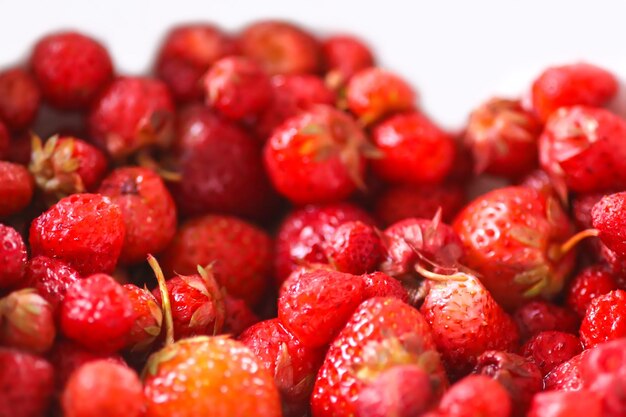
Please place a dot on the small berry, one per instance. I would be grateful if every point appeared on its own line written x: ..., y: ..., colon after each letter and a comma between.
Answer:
x: 550, y: 349
x: 566, y: 404
x: 19, y: 98
x: 239, y: 317
x: 148, y: 319
x: 605, y: 319
x: 582, y: 205
x: 602, y: 371
x: 28, y: 322
x: 355, y: 248
x: 51, y: 278
x: 16, y: 188
x: 5, y: 142
x: 608, y: 216
x: 476, y: 395
x: 566, y: 376
x: 13, y: 258
x: 344, y: 56
x: 539, y: 316
x: 379, y: 284
x: 590, y: 283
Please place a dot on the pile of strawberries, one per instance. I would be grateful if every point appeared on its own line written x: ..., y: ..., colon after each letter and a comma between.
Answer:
x: 268, y: 225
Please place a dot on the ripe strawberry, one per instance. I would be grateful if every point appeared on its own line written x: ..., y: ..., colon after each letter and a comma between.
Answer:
x: 103, y: 388
x: 5, y: 144
x: 539, y: 180
x: 582, y: 205
x: 382, y: 333
x: 590, y: 283
x: 581, y: 148
x: 237, y: 87
x: 550, y: 349
x: 226, y: 380
x: 476, y: 395
x: 148, y: 319
x: 414, y: 150
x: 379, y: 284
x: 539, y: 316
x: 566, y: 404
x: 51, y: 278
x: 26, y: 384
x: 523, y: 222
x: 19, y: 98
x: 84, y: 230
x: 221, y: 168
x: 280, y: 47
x: 569, y: 85
x: 147, y: 208
x: 238, y: 316
x: 373, y: 93
x: 465, y: 320
x: 304, y: 233
x: 13, y: 258
x: 186, y: 54
x: 605, y: 319
x: 316, y: 305
x: 98, y: 314
x: 503, y: 137
x: 240, y: 252
x: 27, y: 323
x: 284, y: 356
x: 66, y: 165
x: 355, y: 248
x: 71, y: 69
x: 566, y: 376
x: 16, y: 188
x: 608, y: 217
x: 317, y: 156
x: 518, y: 375
x: 344, y: 56
x: 147, y: 110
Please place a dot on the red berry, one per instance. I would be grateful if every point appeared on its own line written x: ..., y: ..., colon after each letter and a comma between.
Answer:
x: 414, y: 150
x: 550, y: 349
x: 569, y: 85
x: 19, y: 98
x: 26, y: 384
x: 13, y: 258
x: 280, y: 48
x: 148, y: 318
x: 476, y: 395
x: 147, y: 110
x: 344, y: 56
x: 71, y: 69
x: 147, y: 208
x: 608, y: 216
x: 539, y: 316
x: 241, y: 254
x: 16, y: 188
x: 186, y: 54
x: 317, y: 156
x: 84, y: 230
x: 379, y: 284
x: 590, y: 283
x: 566, y: 404
x: 237, y: 88
x: 373, y: 93
x: 5, y: 145
x: 98, y: 314
x: 239, y: 317
x: 105, y: 389
x: 605, y: 319
x: 582, y: 205
x: 539, y: 180
x: 355, y: 248
x: 604, y: 367
x: 566, y: 376
x: 28, y: 322
x: 51, y: 278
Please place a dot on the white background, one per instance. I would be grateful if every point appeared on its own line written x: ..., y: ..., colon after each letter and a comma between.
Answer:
x: 457, y: 53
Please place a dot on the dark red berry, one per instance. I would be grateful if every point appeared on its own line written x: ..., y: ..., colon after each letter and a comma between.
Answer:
x: 51, y: 278
x: 355, y: 248
x: 344, y: 56
x: 16, y: 188
x: 13, y: 258
x: 19, y: 98
x: 540, y: 316
x: 590, y: 283
x: 239, y: 316
x: 550, y: 349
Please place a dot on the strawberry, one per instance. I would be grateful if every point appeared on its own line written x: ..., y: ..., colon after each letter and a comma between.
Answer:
x: 590, y: 283
x: 51, y: 278
x: 344, y: 56
x: 148, y: 318
x: 16, y: 188
x: 27, y: 323
x: 539, y: 180
x: 379, y: 284
x: 582, y: 205
x: 540, y: 316
x: 355, y: 248
x: 13, y: 258
x: 238, y: 316
x: 605, y: 319
x: 523, y: 222
x: 566, y: 376
x: 19, y: 98
x: 240, y: 254
x: 566, y: 404
x: 476, y: 395
x: 550, y: 349
x: 4, y: 142
x: 608, y: 217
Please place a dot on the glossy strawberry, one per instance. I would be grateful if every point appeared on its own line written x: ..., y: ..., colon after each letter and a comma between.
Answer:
x: 19, y: 98
x: 13, y: 258
x: 608, y: 217
x: 566, y: 404
x: 550, y: 349
x: 566, y: 376
x: 476, y: 395
x: 84, y: 230
x: 51, y: 278
x: 539, y: 316
x: 148, y: 318
x: 27, y: 323
x: 523, y: 222
x: 605, y: 319
x: 379, y: 284
x: 16, y: 188
x: 355, y: 248
x: 591, y: 282
x: 344, y: 56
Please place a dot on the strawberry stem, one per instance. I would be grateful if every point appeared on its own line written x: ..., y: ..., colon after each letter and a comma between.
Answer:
x: 217, y: 296
x: 165, y: 300
x: 433, y: 276
x: 146, y: 160
x: 574, y: 240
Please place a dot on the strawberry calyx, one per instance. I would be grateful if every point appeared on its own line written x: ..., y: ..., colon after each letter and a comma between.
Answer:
x: 216, y: 294
x: 166, y: 305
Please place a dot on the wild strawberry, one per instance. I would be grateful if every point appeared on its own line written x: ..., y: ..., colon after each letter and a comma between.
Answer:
x: 399, y: 202
x: 19, y: 98
x: 605, y: 319
x: 147, y: 208
x: 148, y: 116
x: 303, y: 234
x: 582, y: 205
x: 4, y: 142
x: 148, y: 319
x: 566, y: 376
x: 26, y: 384
x: 240, y: 253
x: 518, y: 375
x: 13, y: 258
x: 284, y: 356
x: 382, y: 333
x: 379, y: 284
x: 550, y: 349
x: 476, y: 395
x: 280, y: 48
x: 238, y: 316
x: 186, y: 54
x: 503, y: 137
x: 465, y: 320
x: 355, y: 248
x: 16, y: 188
x: 590, y: 283
x: 316, y: 305
x: 317, y: 156
x: 344, y: 56
x: 581, y: 148
x: 103, y: 388
x: 226, y: 380
x: 66, y: 165
x: 84, y: 230
x: 608, y: 217
x: 539, y: 180
x: 414, y: 150
x: 539, y: 316
x: 71, y: 69
x: 221, y: 168
x: 28, y: 322
x: 523, y: 222
x: 98, y: 314
x: 51, y: 278
x: 374, y: 93
x: 566, y: 404
x: 237, y: 87
x: 569, y: 85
